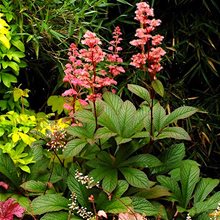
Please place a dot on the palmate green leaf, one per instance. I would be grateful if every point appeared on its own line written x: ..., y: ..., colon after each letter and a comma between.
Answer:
x: 87, y: 131
x: 109, y: 119
x: 110, y: 180
x: 179, y: 113
x: 172, y: 185
x: 8, y: 169
x: 120, y: 140
x: 74, y: 147
x: 208, y: 205
x: 158, y: 116
x: 171, y: 158
x: 158, y: 87
x: 99, y: 173
x: 114, y: 101
x: 142, y: 160
x: 144, y: 207
x: 154, y: 193
x: 104, y: 133
x: 55, y: 215
x: 204, y: 187
x: 34, y: 186
x: 85, y: 116
x: 189, y: 177
x: 121, y: 188
x: 127, y: 119
x: 140, y: 92
x: 117, y: 206
x: 135, y: 177
x: 49, y: 203
x: 173, y: 132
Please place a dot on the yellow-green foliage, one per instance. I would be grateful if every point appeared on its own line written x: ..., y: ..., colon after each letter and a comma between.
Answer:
x: 15, y: 137
x: 4, y: 33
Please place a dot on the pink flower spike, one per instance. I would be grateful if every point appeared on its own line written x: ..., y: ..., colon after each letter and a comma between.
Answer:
x: 9, y: 208
x: 4, y: 185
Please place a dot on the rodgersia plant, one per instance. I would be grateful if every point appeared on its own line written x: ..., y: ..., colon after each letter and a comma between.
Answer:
x: 121, y: 161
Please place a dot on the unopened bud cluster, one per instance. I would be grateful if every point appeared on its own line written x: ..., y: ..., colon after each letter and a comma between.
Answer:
x: 57, y: 140
x: 188, y: 217
x: 85, y: 180
x: 216, y: 213
x: 81, y: 211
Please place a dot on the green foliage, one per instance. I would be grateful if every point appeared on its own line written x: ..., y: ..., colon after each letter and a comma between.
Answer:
x: 49, y: 203
x: 192, y: 194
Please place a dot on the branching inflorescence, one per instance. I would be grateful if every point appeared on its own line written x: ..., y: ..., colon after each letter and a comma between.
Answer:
x: 90, y: 69
x: 150, y: 56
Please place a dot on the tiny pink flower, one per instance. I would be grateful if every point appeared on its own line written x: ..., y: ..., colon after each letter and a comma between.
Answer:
x: 67, y: 107
x: 83, y: 102
x: 4, y: 185
x: 70, y: 92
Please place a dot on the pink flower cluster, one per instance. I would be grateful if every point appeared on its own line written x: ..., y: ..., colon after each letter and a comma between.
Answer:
x: 151, y: 53
x: 9, y: 209
x: 91, y: 69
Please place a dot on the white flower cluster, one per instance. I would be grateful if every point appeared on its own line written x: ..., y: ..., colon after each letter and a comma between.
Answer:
x: 81, y: 211
x: 85, y: 180
x: 57, y: 140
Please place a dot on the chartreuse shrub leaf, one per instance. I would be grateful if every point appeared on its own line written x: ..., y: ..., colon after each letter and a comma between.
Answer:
x: 49, y: 203
x: 173, y: 132
x: 7, y: 79
x: 140, y: 92
x: 135, y: 177
x: 144, y: 207
x: 158, y: 87
x: 204, y: 187
x: 179, y: 113
x: 56, y: 102
x: 7, y: 168
x: 189, y: 177
x: 56, y: 215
